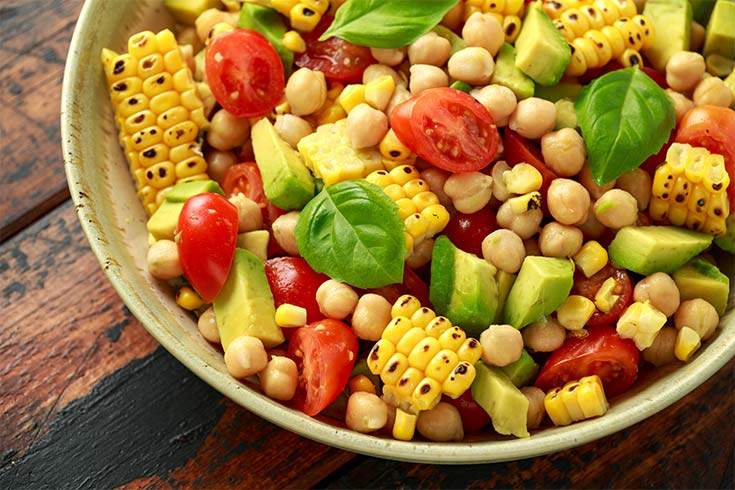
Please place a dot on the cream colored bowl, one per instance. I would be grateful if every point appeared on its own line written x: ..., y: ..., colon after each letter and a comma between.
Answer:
x: 114, y: 223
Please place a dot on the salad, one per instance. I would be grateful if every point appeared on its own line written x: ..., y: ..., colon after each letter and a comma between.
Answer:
x: 427, y: 219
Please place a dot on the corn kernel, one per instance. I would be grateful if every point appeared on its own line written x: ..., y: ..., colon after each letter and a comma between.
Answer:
x: 686, y: 344
x: 605, y: 298
x: 351, y: 96
x: 575, y: 312
x: 288, y: 315
x: 188, y: 299
x: 591, y: 258
x: 379, y: 91
x: 361, y: 383
x: 293, y: 41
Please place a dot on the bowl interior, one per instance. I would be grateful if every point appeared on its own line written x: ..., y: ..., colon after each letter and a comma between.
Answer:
x: 114, y: 223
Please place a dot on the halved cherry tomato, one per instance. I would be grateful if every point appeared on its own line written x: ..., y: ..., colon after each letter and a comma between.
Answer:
x: 245, y: 178
x: 412, y: 284
x: 206, y: 236
x: 603, y: 352
x: 292, y: 280
x: 324, y: 352
x: 474, y: 417
x: 467, y: 231
x: 517, y: 149
x: 244, y: 72
x: 588, y: 288
x: 654, y: 161
x: 448, y: 128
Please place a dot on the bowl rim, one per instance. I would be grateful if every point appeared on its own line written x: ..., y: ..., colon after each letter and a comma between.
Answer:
x: 639, y: 406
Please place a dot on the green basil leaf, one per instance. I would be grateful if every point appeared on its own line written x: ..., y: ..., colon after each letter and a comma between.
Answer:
x: 625, y: 117
x: 270, y: 24
x: 352, y: 232
x: 386, y: 23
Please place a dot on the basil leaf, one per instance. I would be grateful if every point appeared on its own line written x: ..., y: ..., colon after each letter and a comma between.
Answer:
x: 386, y: 23
x: 352, y: 232
x: 270, y: 24
x: 625, y: 117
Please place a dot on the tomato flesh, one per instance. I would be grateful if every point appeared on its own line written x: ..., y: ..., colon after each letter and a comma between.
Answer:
x: 245, y: 178
x: 517, y: 149
x: 467, y: 231
x: 474, y: 417
x: 292, y: 280
x: 588, y: 288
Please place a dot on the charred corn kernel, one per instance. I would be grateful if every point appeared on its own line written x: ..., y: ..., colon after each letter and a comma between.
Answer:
x: 423, y: 352
x: 575, y: 312
x: 409, y: 340
x: 188, y: 299
x: 414, y: 187
x: 217, y: 29
x: 456, y: 383
x: 379, y: 355
x: 470, y: 351
x: 526, y: 202
x: 452, y: 338
x: 511, y: 27
x: 605, y: 297
x: 406, y: 306
x: 576, y: 400
x: 407, y: 384
x: 396, y: 329
x: 282, y: 6
x: 591, y: 258
x: 686, y: 344
x: 689, y: 190
x: 555, y: 8
x: 361, y: 383
x: 522, y: 178
x: 304, y: 17
x: 293, y: 41
x: 416, y: 226
x: 630, y: 57
x: 640, y: 322
x: 394, y: 369
x: 436, y: 215
x: 379, y: 91
x: 422, y: 317
x: 437, y: 326
x: 288, y: 315
x: 404, y: 426
x: 352, y: 96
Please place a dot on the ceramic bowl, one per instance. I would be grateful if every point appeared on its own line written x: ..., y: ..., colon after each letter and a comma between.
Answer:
x: 114, y: 222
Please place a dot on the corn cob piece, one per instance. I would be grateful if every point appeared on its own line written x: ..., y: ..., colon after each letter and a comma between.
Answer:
x: 304, y: 15
x: 640, y: 322
x: 576, y: 400
x: 158, y: 112
x: 689, y: 190
x: 419, y: 357
x: 508, y: 13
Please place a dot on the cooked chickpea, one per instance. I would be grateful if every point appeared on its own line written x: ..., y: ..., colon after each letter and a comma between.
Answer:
x: 660, y: 289
x: 531, y: 247
x: 371, y: 315
x: 336, y: 299
x: 484, y: 31
x: 306, y: 91
x: 366, y: 126
x: 473, y: 65
x: 616, y: 208
x: 441, y: 424
x: 684, y: 70
x: 499, y: 100
x: 207, y: 20
x: 245, y: 356
x: 378, y: 70
x: 207, y: 325
x: 424, y: 77
x: 429, y: 49
x: 712, y: 91
x: 227, y: 131
x: 501, y: 345
x: 163, y: 260
x: 588, y: 181
x: 638, y: 184
x: 536, y: 408
x: 533, y: 117
x: 525, y: 225
x: 292, y: 128
x: 591, y: 228
x: 558, y: 240
x: 568, y: 201
x: 400, y: 94
x: 249, y: 214
x: 469, y: 191
x: 682, y: 104
x: 564, y: 151
x: 699, y: 315
x: 500, y: 190
x: 453, y: 19
x: 698, y: 34
x: 388, y: 56
x: 436, y: 178
x: 661, y: 351
x: 218, y: 161
x: 366, y: 412
x: 279, y: 378
x: 544, y: 336
x: 504, y: 249
x: 283, y: 229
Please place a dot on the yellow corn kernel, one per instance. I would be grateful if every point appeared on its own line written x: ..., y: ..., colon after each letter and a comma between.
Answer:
x: 526, y: 202
x: 379, y: 355
x: 470, y: 351
x: 575, y: 22
x: 574, y: 313
x: 452, y: 338
x: 601, y: 44
x: 361, y: 383
x: 188, y: 299
x: 288, y: 315
x: 396, y: 329
x: 641, y: 322
x: 427, y: 394
x: 330, y: 113
x: 687, y: 343
x: 459, y: 380
x: 282, y: 6
x: 406, y: 306
x: 404, y: 425
x: 441, y: 365
x: 591, y: 258
x: 522, y: 178
x: 576, y: 400
x: 304, y: 17
x: 438, y: 326
x: 605, y: 298
x: 409, y: 340
x: 379, y: 91
x: 293, y: 41
x: 424, y: 199
x: 436, y: 215
x: 594, y: 16
x: 424, y: 352
x: 351, y: 96
x: 407, y: 384
x: 512, y: 7
x: 394, y: 369
x: 422, y: 317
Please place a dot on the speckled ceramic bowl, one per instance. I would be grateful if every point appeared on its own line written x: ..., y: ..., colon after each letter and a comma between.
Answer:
x: 114, y: 223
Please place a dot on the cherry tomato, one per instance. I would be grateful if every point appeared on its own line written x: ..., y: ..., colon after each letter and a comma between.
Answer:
x: 245, y: 178
x: 412, y: 284
x: 518, y: 149
x: 474, y: 417
x: 467, y: 231
x: 244, y: 72
x: 712, y: 128
x: 448, y: 128
x: 588, y: 287
x: 206, y: 236
x: 603, y: 352
x: 324, y: 352
x: 655, y: 160
x: 655, y: 75
x: 336, y: 58
x: 292, y: 280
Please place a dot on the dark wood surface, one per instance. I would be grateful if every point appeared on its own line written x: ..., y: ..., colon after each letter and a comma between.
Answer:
x: 89, y: 400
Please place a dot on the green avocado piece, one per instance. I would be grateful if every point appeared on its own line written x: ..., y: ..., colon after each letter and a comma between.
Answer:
x: 672, y: 22
x: 245, y: 305
x: 727, y: 241
x: 563, y: 90
x: 566, y: 115
x: 507, y: 407
x: 186, y: 11
x: 649, y: 249
x: 522, y: 371
x: 462, y: 287
x: 542, y: 53
x: 286, y: 181
x: 255, y: 241
x: 542, y: 285
x: 162, y: 223
x: 720, y: 34
x: 456, y: 43
x: 509, y: 75
x: 505, y: 281
x: 700, y: 278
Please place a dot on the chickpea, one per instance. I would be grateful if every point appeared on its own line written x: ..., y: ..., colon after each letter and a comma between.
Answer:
x: 360, y: 383
x: 245, y: 356
x: 425, y: 77
x: 504, y: 249
x: 564, y: 151
x: 568, y: 201
x: 588, y: 181
x: 227, y: 131
x: 699, y: 315
x: 697, y: 37
x: 616, y: 208
x: 499, y: 100
x: 473, y: 65
x: 366, y: 412
x: 336, y: 299
x: 591, y: 228
x: 421, y: 254
x: 283, y: 229
x: 292, y: 128
x: 400, y: 94
x: 484, y: 31
x: 371, y: 315
x: 429, y: 49
x: 500, y: 190
x: 544, y: 336
x: 531, y: 247
x: 207, y: 325
x: 249, y: 214
x: 366, y: 126
x: 638, y: 184
x: 684, y: 70
x: 436, y: 178
x: 536, y: 408
x: 660, y: 289
x: 378, y: 70
x: 163, y: 260
x: 279, y: 378
x: 218, y: 161
x: 682, y: 104
x: 388, y: 56
x: 453, y: 19
x: 441, y: 424
x: 501, y: 345
x: 525, y: 225
x: 306, y: 91
x: 469, y: 191
x: 533, y: 117
x: 558, y: 240
x: 712, y: 91
x: 661, y: 351
x: 207, y: 20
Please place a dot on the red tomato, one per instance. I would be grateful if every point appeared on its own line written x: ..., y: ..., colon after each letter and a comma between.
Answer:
x: 517, y: 149
x: 245, y: 178
x: 467, y: 231
x: 474, y: 417
x: 336, y: 58
x: 292, y: 280
x: 588, y: 287
x: 655, y: 160
x: 412, y: 284
x: 206, y: 236
x: 244, y: 72
x: 325, y: 353
x: 712, y: 128
x: 448, y: 128
x: 655, y: 75
x: 603, y: 352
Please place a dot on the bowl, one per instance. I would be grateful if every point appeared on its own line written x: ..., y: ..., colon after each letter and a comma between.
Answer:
x: 114, y: 223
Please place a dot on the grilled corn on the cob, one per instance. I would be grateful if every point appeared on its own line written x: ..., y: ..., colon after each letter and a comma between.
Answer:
x: 576, y: 400
x: 508, y: 13
x: 303, y: 14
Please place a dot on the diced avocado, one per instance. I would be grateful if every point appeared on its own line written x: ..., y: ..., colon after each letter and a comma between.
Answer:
x: 564, y: 90
x: 509, y: 75
x: 566, y: 115
x: 460, y: 85
x: 503, y: 402
x: 649, y: 249
x: 255, y: 241
x: 505, y: 281
x: 186, y: 11
x: 672, y: 22
x: 720, y: 35
x: 245, y: 305
x: 456, y: 43
x: 700, y: 278
x: 162, y: 223
x: 727, y: 241
x: 463, y: 287
x: 542, y: 285
x: 522, y: 371
x: 701, y: 10
x: 542, y: 53
x: 286, y: 181
x: 183, y: 191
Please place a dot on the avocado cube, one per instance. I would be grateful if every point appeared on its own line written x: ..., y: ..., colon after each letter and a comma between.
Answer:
x: 700, y: 278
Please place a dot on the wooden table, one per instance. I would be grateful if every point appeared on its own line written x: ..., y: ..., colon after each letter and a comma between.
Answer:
x: 90, y: 400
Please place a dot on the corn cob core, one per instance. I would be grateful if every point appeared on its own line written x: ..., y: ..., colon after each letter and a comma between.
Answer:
x: 158, y: 113
x: 508, y: 13
x: 690, y: 190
